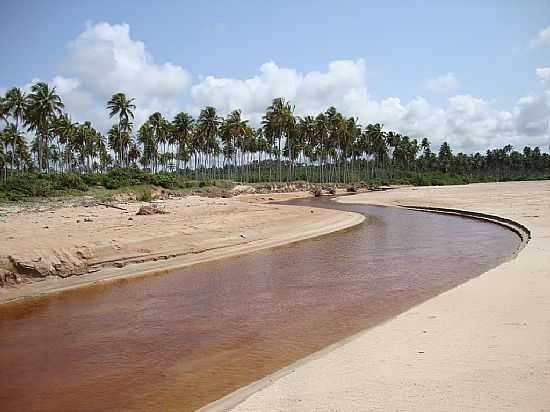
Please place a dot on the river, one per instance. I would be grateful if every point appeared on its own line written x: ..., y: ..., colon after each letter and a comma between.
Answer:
x: 178, y: 341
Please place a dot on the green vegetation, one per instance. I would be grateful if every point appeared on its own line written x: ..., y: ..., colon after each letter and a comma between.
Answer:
x: 44, y: 153
x: 31, y: 184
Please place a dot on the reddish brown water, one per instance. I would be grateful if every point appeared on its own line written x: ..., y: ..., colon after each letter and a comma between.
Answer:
x: 181, y: 340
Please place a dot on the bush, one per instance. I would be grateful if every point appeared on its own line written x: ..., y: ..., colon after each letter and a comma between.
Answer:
x: 93, y: 179
x: 40, y: 185
x: 69, y: 181
x: 166, y: 180
x: 118, y: 178
x: 145, y: 196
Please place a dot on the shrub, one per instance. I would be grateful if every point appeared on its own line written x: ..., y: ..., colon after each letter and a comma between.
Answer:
x: 118, y: 178
x: 69, y: 181
x: 40, y: 185
x: 166, y: 180
x: 145, y: 196
x: 93, y: 179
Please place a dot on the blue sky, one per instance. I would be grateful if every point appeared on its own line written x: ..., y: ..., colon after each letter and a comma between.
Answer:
x: 488, y: 50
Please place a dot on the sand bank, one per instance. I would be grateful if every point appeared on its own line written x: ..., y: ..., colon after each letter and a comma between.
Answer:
x: 68, y: 247
x: 481, y: 346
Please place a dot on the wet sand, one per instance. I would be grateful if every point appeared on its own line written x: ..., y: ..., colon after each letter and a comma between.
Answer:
x: 103, y: 244
x: 483, y: 345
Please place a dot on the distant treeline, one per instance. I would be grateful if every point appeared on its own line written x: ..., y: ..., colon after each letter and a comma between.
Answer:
x: 37, y: 136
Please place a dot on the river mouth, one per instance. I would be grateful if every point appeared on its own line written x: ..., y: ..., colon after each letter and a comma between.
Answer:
x: 182, y: 340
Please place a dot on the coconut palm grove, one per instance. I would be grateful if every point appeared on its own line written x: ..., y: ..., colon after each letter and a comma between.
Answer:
x: 44, y: 152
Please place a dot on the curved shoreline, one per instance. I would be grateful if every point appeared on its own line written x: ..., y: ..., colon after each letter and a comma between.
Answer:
x: 337, y: 221
x: 493, y: 328
x: 233, y: 399
x: 522, y: 231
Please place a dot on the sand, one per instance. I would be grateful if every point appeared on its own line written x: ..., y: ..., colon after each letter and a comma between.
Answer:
x: 56, y: 249
x: 484, y: 345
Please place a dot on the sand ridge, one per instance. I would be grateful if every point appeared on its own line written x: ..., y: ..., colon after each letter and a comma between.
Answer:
x: 480, y: 346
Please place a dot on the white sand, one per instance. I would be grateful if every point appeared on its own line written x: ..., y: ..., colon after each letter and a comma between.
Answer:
x: 483, y: 346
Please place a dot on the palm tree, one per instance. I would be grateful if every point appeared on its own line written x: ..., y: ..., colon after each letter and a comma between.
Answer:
x: 133, y: 153
x: 15, y: 139
x: 206, y: 135
x: 260, y: 147
x: 4, y: 143
x: 233, y: 133
x: 277, y: 122
x: 65, y: 130
x: 182, y: 129
x: 321, y: 134
x: 93, y: 146
x: 2, y: 155
x: 82, y: 137
x: 55, y: 156
x: 44, y: 106
x: 15, y: 103
x: 118, y: 139
x: 89, y: 143
x: 351, y: 132
x: 4, y: 119
x: 377, y: 144
x: 335, y: 125
x: 445, y: 157
x: 105, y: 159
x: 147, y: 141
x: 4, y: 112
x: 159, y: 128
x: 328, y: 144
x: 306, y: 126
x: 123, y: 107
x: 247, y: 147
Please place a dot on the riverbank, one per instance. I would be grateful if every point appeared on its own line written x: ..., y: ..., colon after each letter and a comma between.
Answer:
x: 56, y: 249
x: 480, y: 346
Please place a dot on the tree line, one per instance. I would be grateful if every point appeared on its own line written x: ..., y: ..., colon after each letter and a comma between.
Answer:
x: 36, y: 134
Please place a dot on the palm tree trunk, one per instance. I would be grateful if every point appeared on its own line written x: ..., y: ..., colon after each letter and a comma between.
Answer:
x: 279, y: 158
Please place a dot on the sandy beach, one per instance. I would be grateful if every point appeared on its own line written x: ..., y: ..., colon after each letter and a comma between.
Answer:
x: 55, y: 249
x: 481, y: 346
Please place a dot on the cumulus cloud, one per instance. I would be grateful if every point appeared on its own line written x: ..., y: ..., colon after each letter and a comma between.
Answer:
x: 543, y: 74
x: 532, y: 115
x: 469, y: 123
x: 542, y: 38
x: 445, y: 84
x: 104, y: 60
x: 310, y: 92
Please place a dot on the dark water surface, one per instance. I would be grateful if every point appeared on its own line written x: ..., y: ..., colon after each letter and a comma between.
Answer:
x: 181, y: 340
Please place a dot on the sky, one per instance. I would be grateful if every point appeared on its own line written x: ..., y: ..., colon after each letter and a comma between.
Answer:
x: 476, y: 74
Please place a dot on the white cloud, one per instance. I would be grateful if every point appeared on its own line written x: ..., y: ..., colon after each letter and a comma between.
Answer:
x: 544, y: 75
x: 311, y: 92
x: 542, y: 38
x: 444, y: 84
x: 532, y: 116
x: 469, y: 123
x: 104, y: 60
